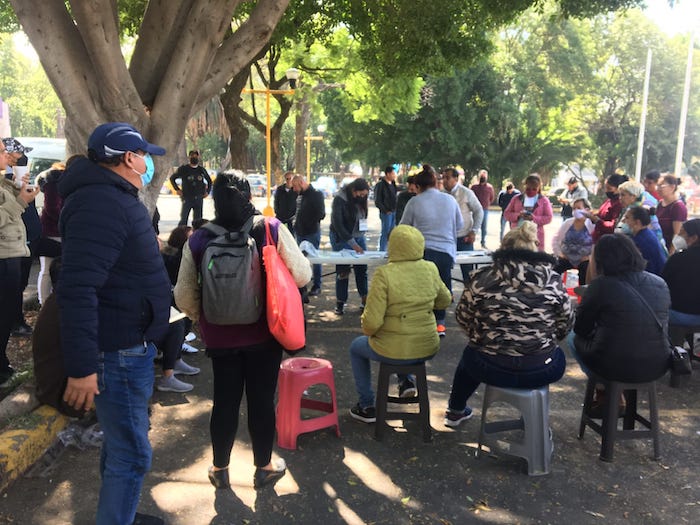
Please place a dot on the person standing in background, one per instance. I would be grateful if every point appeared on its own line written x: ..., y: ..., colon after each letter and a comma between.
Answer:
x: 195, y: 184
x: 285, y: 203
x: 484, y: 192
x: 472, y: 215
x: 504, y: 198
x: 311, y: 210
x: 385, y: 201
x: 404, y: 196
x: 573, y: 193
x: 30, y: 217
x: 13, y: 247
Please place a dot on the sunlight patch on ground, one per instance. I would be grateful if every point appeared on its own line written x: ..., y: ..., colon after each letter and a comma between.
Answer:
x: 372, y: 476
x: 343, y: 509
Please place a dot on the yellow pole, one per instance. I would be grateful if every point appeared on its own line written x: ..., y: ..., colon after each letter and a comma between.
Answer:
x: 268, y: 211
x: 309, y: 138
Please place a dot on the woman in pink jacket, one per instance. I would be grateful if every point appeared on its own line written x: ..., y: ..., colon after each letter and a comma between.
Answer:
x: 530, y: 206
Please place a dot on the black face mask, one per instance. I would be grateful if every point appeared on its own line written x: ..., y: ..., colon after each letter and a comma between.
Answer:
x: 612, y: 196
x: 194, y: 161
x: 359, y: 200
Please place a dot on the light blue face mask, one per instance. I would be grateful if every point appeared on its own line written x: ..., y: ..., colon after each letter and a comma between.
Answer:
x: 147, y: 177
x: 624, y: 227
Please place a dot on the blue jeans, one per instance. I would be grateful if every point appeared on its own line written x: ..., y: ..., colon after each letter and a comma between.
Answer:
x: 484, y: 224
x: 388, y: 223
x: 463, y: 246
x: 679, y: 318
x: 360, y: 356
x: 342, y: 271
x: 315, y: 240
x: 475, y: 368
x: 444, y: 263
x: 125, y: 381
x: 504, y: 221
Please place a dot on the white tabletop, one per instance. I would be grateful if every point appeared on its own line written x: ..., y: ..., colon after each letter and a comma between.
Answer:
x: 375, y: 258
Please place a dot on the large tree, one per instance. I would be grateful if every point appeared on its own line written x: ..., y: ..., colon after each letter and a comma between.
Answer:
x: 187, y: 50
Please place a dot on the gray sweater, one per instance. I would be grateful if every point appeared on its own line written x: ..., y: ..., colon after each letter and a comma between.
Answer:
x: 438, y: 218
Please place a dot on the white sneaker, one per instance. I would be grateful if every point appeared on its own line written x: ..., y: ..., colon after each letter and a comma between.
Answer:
x: 190, y: 337
x: 183, y: 368
x: 172, y: 384
x: 189, y: 349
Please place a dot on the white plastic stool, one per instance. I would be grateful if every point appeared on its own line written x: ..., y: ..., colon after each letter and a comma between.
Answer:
x: 536, y: 446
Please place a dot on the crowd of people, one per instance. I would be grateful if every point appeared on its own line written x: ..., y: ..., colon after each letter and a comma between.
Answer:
x: 112, y: 286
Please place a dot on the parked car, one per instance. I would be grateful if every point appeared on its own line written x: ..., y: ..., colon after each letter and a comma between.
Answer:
x: 45, y: 153
x: 325, y: 184
x: 258, y: 185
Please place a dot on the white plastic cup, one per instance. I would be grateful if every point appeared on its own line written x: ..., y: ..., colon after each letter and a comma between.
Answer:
x: 18, y: 173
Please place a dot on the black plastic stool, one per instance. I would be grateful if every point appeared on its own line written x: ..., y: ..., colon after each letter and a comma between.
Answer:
x: 383, y: 397
x: 607, y: 429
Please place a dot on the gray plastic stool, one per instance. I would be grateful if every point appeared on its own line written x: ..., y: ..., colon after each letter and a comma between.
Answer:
x: 536, y: 446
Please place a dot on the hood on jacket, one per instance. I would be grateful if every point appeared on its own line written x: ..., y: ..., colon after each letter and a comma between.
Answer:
x: 406, y: 243
x: 84, y: 172
x: 518, y: 266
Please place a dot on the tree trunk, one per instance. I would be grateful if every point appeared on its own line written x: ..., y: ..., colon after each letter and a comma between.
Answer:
x: 80, y: 51
x: 230, y: 100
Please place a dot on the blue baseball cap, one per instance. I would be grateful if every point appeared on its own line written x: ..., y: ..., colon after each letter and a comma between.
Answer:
x: 116, y: 138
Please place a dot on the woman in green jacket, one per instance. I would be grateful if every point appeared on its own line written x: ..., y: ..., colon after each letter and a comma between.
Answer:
x: 398, y: 319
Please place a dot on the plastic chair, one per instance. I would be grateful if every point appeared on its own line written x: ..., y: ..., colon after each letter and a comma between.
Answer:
x: 607, y: 428
x: 296, y: 375
x: 383, y: 398
x: 536, y: 444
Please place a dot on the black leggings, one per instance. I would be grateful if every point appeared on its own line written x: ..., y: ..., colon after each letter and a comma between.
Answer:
x: 171, y: 345
x: 257, y: 370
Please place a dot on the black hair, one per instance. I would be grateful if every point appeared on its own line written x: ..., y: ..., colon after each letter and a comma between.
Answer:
x: 232, y: 206
x: 426, y: 178
x: 388, y: 169
x: 411, y: 179
x: 616, y: 179
x: 178, y: 237
x: 616, y: 254
x: 359, y: 184
x: 641, y: 214
x: 692, y: 227
x: 198, y: 223
x: 509, y: 186
x: 534, y: 178
x: 653, y: 175
x: 452, y: 171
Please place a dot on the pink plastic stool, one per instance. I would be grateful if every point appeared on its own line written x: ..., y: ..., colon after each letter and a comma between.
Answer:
x: 296, y: 375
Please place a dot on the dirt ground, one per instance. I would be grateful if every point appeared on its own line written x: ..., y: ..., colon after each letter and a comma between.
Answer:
x: 401, y: 480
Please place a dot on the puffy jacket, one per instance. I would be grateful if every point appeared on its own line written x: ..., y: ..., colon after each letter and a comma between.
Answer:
x: 114, y: 291
x: 517, y: 306
x: 13, y: 233
x: 616, y: 334
x: 398, y: 316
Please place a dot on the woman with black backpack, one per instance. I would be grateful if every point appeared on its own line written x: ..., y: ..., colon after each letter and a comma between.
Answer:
x: 243, y: 355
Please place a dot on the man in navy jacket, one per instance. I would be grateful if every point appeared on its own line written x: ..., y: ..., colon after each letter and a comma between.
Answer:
x: 114, y: 299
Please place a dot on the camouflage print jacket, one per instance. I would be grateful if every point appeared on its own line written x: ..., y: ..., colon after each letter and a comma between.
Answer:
x: 517, y: 306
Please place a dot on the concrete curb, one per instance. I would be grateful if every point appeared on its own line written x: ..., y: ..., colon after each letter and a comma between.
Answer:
x: 20, y: 448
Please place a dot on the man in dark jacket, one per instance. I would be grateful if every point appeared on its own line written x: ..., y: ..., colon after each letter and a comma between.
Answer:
x: 504, y: 198
x: 195, y: 184
x: 307, y: 226
x: 114, y: 300
x: 286, y: 202
x: 385, y: 201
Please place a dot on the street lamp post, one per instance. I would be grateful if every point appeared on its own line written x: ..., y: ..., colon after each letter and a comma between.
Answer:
x: 309, y: 138
x: 292, y: 75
